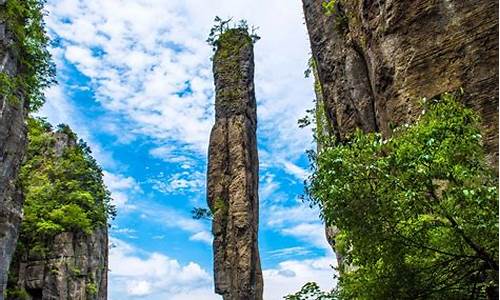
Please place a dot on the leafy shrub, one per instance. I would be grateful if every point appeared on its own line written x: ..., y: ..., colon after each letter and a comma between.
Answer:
x: 417, y: 213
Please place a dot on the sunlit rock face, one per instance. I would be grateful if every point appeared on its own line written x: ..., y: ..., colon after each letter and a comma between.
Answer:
x: 12, y: 147
x: 233, y: 171
x: 376, y: 59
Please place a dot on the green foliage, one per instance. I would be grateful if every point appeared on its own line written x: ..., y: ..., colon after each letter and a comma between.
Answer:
x: 224, y: 29
x: 311, y: 291
x: 417, y: 213
x: 18, y: 294
x: 317, y: 115
x: 64, y: 190
x: 91, y: 289
x: 329, y: 6
x: 199, y: 213
x: 24, y: 19
x: 220, y: 206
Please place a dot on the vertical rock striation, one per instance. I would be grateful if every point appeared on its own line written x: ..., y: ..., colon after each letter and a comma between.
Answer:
x: 375, y: 59
x: 232, y: 188
x: 75, y: 267
x: 12, y: 147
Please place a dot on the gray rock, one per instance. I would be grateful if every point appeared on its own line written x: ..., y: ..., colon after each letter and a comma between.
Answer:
x: 75, y: 267
x: 233, y: 172
x: 12, y: 147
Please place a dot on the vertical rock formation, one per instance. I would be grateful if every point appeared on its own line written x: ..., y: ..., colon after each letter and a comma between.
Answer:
x: 233, y: 170
x: 12, y: 145
x: 375, y: 59
x: 72, y: 264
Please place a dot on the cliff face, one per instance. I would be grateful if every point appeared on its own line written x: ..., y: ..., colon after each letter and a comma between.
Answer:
x: 74, y: 268
x: 12, y: 145
x: 72, y: 264
x: 375, y: 59
x: 233, y: 171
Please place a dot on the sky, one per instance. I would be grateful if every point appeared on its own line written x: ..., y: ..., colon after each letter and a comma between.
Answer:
x: 135, y: 81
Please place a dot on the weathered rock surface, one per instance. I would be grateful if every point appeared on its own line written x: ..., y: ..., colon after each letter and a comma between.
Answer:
x: 233, y: 171
x: 75, y: 268
x: 12, y: 147
x: 375, y: 59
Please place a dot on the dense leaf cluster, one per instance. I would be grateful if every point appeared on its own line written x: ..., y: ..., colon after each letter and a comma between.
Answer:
x: 417, y: 213
x: 223, y: 28
x: 63, y: 186
x: 36, y: 71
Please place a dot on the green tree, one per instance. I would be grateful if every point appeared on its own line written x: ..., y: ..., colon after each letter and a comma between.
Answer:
x: 64, y: 190
x: 24, y: 19
x: 417, y: 213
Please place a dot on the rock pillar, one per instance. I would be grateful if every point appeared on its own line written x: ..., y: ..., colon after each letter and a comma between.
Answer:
x: 233, y: 165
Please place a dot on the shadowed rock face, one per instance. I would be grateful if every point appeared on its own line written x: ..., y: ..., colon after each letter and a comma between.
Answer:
x: 75, y: 265
x: 74, y: 268
x: 376, y: 58
x: 12, y: 147
x: 233, y: 171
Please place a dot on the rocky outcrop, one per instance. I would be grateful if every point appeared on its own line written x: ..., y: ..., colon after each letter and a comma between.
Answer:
x: 376, y: 59
x: 12, y: 147
x: 70, y: 265
x: 233, y: 170
x: 75, y: 267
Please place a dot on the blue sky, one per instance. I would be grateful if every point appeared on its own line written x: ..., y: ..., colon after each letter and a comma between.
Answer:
x: 135, y: 82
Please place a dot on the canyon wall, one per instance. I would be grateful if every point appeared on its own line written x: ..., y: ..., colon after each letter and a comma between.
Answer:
x: 233, y: 165
x: 12, y: 147
x: 376, y: 58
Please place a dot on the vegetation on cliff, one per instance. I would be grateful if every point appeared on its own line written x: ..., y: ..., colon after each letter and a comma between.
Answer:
x: 417, y: 213
x: 63, y: 186
x: 24, y: 19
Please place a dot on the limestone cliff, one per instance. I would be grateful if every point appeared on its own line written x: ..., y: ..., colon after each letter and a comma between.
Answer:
x: 375, y: 59
x: 69, y: 260
x: 12, y: 145
x: 233, y: 170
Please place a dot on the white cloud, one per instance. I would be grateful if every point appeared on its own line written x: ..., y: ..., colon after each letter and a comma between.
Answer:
x: 311, y: 233
x: 289, y: 276
x: 295, y: 170
x: 139, y: 65
x: 202, y: 236
x: 287, y: 252
x: 121, y: 187
x: 174, y: 219
x: 136, y: 273
x: 179, y: 183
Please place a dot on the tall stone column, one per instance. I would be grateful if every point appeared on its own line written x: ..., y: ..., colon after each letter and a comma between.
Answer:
x: 12, y: 147
x: 233, y: 166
